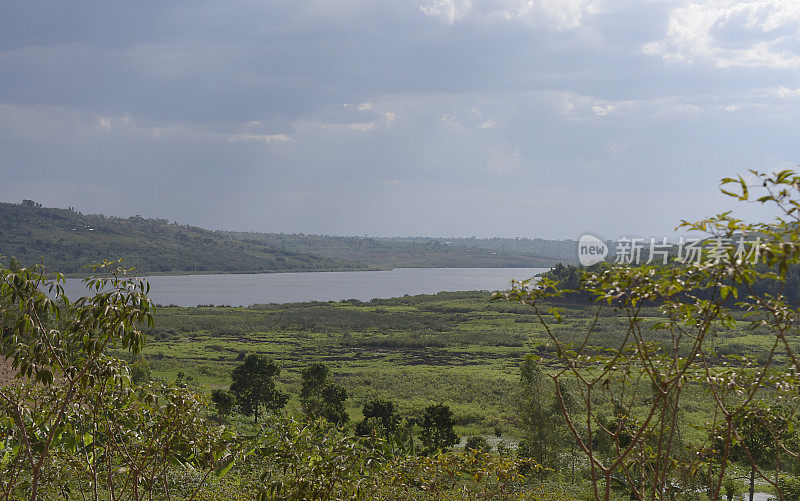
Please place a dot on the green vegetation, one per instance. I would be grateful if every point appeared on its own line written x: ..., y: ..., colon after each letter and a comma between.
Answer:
x: 438, y: 433
x: 631, y: 421
x: 224, y: 401
x: 455, y: 347
x: 422, y: 252
x: 380, y: 419
x: 320, y: 396
x: 68, y: 241
x: 253, y: 386
x: 678, y: 382
x: 75, y: 425
x: 74, y: 421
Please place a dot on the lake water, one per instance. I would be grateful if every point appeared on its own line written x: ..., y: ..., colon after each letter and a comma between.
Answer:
x: 247, y: 289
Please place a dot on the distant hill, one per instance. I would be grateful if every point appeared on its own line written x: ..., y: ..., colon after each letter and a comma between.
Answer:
x: 563, y: 251
x: 68, y: 241
x: 417, y: 252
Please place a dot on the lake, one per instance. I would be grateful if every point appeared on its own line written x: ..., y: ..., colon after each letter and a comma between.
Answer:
x: 247, y: 289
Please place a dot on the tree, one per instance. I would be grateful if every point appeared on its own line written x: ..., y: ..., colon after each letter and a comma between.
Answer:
x: 380, y: 418
x: 539, y: 415
x: 321, y: 397
x: 73, y: 419
x: 732, y: 277
x: 254, y: 386
x: 437, y: 428
x: 14, y: 265
x: 224, y: 402
x: 762, y: 433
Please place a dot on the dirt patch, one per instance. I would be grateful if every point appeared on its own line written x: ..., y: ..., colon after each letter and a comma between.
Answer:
x: 7, y: 373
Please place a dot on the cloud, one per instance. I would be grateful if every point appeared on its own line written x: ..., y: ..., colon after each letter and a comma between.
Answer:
x: 450, y: 120
x: 785, y: 92
x: 468, y: 104
x: 671, y: 108
x: 449, y: 10
x: 315, y: 127
x: 732, y: 33
x: 259, y: 138
x: 616, y: 147
x: 555, y: 14
x: 361, y: 126
x: 550, y: 14
x: 389, y: 118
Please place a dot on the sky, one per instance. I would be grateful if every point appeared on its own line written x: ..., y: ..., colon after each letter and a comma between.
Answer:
x: 530, y: 118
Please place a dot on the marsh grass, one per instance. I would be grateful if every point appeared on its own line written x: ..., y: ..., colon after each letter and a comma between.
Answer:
x: 457, y: 348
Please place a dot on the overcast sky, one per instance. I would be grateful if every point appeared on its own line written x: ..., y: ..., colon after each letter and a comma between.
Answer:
x: 538, y: 118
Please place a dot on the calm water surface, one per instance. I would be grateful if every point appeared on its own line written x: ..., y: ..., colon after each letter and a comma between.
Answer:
x: 244, y: 290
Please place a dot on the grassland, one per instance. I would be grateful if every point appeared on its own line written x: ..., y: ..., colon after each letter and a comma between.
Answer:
x: 458, y: 348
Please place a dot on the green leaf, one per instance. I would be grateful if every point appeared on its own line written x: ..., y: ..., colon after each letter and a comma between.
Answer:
x: 225, y: 466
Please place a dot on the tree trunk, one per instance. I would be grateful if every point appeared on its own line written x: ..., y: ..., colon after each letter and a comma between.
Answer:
x: 752, y: 482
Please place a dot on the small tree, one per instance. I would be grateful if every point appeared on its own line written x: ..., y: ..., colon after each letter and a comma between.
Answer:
x: 759, y: 442
x: 380, y: 418
x: 254, y: 386
x: 224, y: 402
x: 731, y: 488
x: 140, y: 371
x: 437, y: 428
x: 313, y: 378
x: 539, y: 420
x: 14, y: 265
x: 321, y: 397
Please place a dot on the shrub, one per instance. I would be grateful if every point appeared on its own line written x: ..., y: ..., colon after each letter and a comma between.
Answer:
x: 224, y: 402
x: 788, y: 487
x: 140, y: 371
x: 478, y: 444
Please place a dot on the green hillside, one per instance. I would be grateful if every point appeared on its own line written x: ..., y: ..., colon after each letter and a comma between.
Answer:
x: 562, y: 250
x: 422, y: 252
x: 67, y: 241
